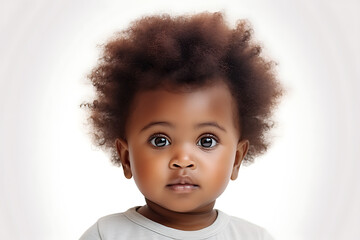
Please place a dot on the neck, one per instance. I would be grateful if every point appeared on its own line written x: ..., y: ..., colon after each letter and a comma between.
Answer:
x: 188, y: 221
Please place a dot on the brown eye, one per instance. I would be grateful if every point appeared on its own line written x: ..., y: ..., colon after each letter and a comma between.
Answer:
x: 159, y: 141
x: 207, y: 142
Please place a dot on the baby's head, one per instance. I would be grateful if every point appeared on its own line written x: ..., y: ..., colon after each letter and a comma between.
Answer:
x: 183, y: 97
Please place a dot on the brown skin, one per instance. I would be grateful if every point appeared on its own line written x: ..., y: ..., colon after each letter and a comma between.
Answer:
x: 182, y: 148
x: 183, y: 50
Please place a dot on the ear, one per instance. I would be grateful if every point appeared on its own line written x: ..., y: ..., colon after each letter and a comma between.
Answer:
x: 123, y: 151
x: 241, y: 151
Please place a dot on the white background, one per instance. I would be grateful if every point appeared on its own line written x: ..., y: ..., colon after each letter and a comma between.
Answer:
x: 54, y: 184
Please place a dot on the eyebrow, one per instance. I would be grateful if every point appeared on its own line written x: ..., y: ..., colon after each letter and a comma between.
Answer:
x: 212, y: 124
x: 167, y: 124
x: 157, y: 123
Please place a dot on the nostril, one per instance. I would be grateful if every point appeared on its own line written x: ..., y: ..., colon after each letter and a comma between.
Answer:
x: 179, y: 165
x: 176, y: 165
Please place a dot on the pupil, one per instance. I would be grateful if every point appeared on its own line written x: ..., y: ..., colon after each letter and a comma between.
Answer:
x: 160, y: 141
x: 206, y: 142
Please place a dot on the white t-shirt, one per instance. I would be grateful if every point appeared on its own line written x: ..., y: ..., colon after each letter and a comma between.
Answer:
x: 133, y: 226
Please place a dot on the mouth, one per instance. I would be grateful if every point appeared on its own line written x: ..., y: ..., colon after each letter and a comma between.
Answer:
x: 182, y: 188
x: 182, y: 185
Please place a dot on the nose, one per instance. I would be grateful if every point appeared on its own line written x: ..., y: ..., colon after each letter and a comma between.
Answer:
x: 182, y: 159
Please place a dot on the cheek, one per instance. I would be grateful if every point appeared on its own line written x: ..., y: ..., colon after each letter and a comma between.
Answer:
x: 219, y: 170
x: 220, y: 179
x: 148, y: 170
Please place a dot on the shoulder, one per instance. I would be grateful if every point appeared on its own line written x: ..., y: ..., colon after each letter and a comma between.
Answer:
x: 108, y: 227
x: 242, y: 229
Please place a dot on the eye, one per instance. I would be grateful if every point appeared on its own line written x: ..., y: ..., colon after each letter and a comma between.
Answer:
x: 159, y: 141
x: 207, y: 142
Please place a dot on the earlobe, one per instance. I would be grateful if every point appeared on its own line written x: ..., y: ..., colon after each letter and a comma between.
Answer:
x: 242, y: 149
x: 123, y: 152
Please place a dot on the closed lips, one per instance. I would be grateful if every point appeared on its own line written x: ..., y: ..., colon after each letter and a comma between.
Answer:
x: 182, y: 187
x: 183, y: 180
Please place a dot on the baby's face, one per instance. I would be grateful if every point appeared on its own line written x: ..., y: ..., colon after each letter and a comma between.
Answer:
x: 183, y: 148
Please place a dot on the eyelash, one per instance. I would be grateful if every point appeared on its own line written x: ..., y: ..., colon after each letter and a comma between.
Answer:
x: 198, y: 142
x: 211, y: 136
x: 159, y: 135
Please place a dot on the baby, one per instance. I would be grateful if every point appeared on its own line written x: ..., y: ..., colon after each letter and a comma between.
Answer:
x: 180, y: 103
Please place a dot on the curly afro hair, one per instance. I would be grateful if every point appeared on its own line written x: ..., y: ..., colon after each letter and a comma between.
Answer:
x: 183, y: 51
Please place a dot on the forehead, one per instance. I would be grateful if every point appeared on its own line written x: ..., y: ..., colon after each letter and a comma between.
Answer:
x: 213, y: 103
